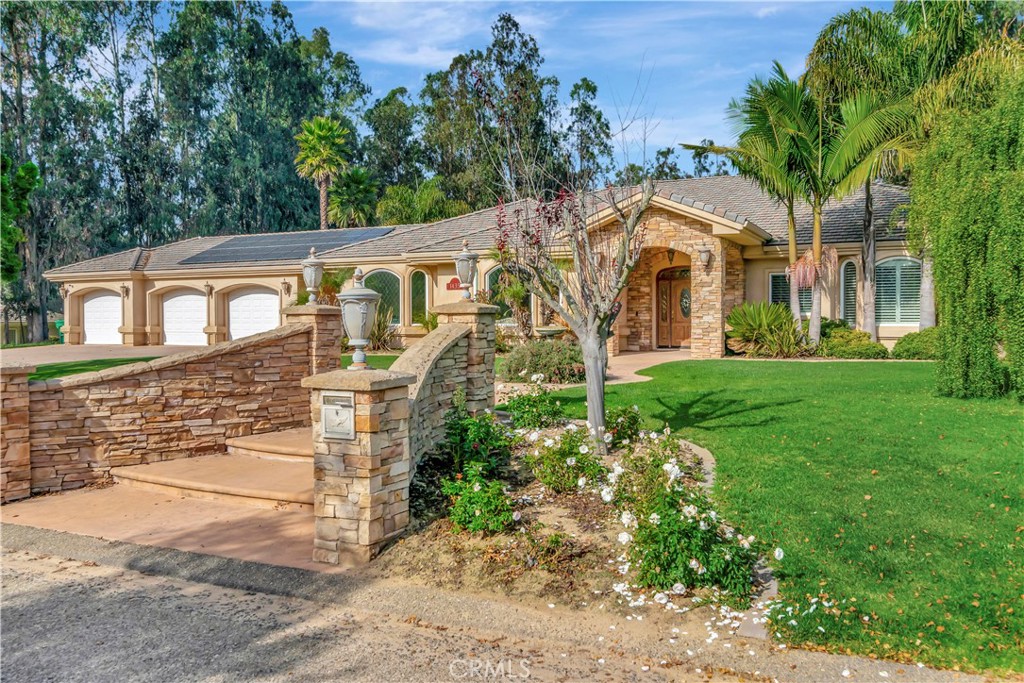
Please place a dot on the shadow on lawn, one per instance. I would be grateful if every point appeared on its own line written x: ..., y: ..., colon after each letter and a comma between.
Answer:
x: 700, y: 410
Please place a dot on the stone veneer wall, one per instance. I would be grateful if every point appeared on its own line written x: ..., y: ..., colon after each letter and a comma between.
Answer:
x: 173, y: 407
x: 459, y: 354
x: 15, y: 449
x: 716, y: 288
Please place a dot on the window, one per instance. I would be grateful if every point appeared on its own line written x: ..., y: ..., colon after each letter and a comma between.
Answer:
x: 493, y: 287
x: 848, y: 303
x: 418, y: 297
x: 898, y: 292
x: 389, y: 287
x: 779, y: 293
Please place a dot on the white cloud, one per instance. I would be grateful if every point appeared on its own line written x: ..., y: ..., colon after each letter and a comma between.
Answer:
x: 768, y: 11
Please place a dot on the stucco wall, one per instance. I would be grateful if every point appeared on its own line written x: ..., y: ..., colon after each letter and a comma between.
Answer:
x: 759, y: 267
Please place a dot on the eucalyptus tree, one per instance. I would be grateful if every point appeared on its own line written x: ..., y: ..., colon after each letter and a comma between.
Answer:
x: 322, y: 156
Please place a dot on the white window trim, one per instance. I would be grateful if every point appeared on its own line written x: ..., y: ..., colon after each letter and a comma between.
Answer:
x: 426, y: 298
x: 877, y: 266
x: 401, y: 287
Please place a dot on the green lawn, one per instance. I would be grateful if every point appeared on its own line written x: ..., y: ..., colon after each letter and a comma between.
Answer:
x: 905, y: 504
x: 378, y: 361
x: 75, y: 367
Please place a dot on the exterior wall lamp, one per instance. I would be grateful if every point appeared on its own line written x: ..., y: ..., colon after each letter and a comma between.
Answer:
x: 358, y: 311
x: 705, y: 257
x: 465, y: 266
x: 312, y: 274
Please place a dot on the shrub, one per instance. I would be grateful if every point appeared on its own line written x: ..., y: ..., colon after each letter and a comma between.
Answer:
x: 474, y: 439
x: 535, y: 408
x: 623, y: 424
x: 851, y: 344
x: 478, y: 505
x: 923, y: 345
x: 828, y: 326
x: 382, y: 333
x: 762, y: 329
x: 559, y: 361
x: 566, y: 462
x: 676, y: 538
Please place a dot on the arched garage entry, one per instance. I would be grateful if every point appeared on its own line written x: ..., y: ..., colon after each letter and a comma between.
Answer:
x: 101, y: 317
x: 252, y: 310
x: 183, y: 315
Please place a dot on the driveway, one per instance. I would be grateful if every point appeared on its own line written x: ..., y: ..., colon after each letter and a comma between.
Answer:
x: 62, y: 353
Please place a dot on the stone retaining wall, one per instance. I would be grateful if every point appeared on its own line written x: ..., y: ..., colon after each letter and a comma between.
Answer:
x: 459, y: 354
x: 62, y: 434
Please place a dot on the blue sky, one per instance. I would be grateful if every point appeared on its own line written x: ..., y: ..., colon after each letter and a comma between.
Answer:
x: 690, y: 58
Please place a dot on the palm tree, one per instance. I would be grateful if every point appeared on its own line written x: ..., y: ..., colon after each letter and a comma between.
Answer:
x: 323, y: 147
x: 764, y: 152
x: 428, y: 203
x: 352, y: 199
x: 863, y: 51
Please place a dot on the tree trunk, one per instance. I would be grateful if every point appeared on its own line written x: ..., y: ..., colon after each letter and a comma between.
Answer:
x: 814, y: 328
x: 323, y: 204
x: 794, y: 300
x: 867, y: 256
x: 927, y: 295
x: 594, y: 364
x: 794, y: 290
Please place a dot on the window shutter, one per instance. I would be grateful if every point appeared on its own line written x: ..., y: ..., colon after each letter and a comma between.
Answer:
x: 898, y: 292
x: 779, y: 293
x: 850, y: 293
x: 910, y: 292
x: 779, y: 289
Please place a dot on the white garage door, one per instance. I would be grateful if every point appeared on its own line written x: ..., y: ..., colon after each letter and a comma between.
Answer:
x: 184, y: 319
x: 102, y: 313
x: 251, y: 311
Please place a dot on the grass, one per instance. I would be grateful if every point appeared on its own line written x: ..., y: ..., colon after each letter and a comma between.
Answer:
x: 76, y: 367
x: 381, y: 361
x: 48, y: 342
x: 905, y: 504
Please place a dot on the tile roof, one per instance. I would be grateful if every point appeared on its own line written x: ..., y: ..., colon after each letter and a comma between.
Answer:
x: 731, y: 197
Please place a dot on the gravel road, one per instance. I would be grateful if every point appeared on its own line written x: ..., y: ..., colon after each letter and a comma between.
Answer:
x: 125, y: 613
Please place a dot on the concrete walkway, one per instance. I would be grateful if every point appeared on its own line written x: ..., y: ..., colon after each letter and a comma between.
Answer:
x: 63, y: 353
x: 622, y: 369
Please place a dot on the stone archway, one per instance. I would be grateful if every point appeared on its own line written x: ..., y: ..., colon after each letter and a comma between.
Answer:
x: 717, y: 286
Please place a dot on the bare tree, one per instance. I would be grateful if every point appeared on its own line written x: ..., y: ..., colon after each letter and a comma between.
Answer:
x: 571, y: 246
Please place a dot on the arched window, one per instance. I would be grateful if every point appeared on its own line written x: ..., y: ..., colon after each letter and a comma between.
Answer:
x: 418, y: 297
x: 493, y: 288
x: 848, y: 300
x: 898, y: 292
x: 389, y: 287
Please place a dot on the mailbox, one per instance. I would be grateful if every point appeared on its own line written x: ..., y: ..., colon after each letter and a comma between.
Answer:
x: 338, y: 415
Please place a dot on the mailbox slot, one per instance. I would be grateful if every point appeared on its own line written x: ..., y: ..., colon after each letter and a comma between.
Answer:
x: 338, y: 415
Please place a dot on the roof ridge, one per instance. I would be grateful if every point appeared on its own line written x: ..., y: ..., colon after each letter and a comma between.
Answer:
x: 95, y: 258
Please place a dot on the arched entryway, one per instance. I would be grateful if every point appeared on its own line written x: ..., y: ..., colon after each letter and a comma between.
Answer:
x: 674, y: 307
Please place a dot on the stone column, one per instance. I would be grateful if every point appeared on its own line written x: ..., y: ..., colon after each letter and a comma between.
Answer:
x: 361, y: 484
x: 707, y: 331
x: 480, y: 356
x: 15, y: 448
x: 325, y: 340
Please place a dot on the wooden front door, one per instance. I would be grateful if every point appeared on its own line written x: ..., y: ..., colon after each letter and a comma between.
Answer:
x: 674, y: 307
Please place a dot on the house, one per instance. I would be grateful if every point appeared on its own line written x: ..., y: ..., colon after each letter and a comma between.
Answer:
x: 711, y: 243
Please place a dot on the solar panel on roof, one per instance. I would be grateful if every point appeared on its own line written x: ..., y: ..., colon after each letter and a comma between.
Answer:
x: 282, y: 246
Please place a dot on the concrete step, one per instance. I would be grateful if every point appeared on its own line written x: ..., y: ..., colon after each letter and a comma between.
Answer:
x: 276, y: 484
x: 294, y: 445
